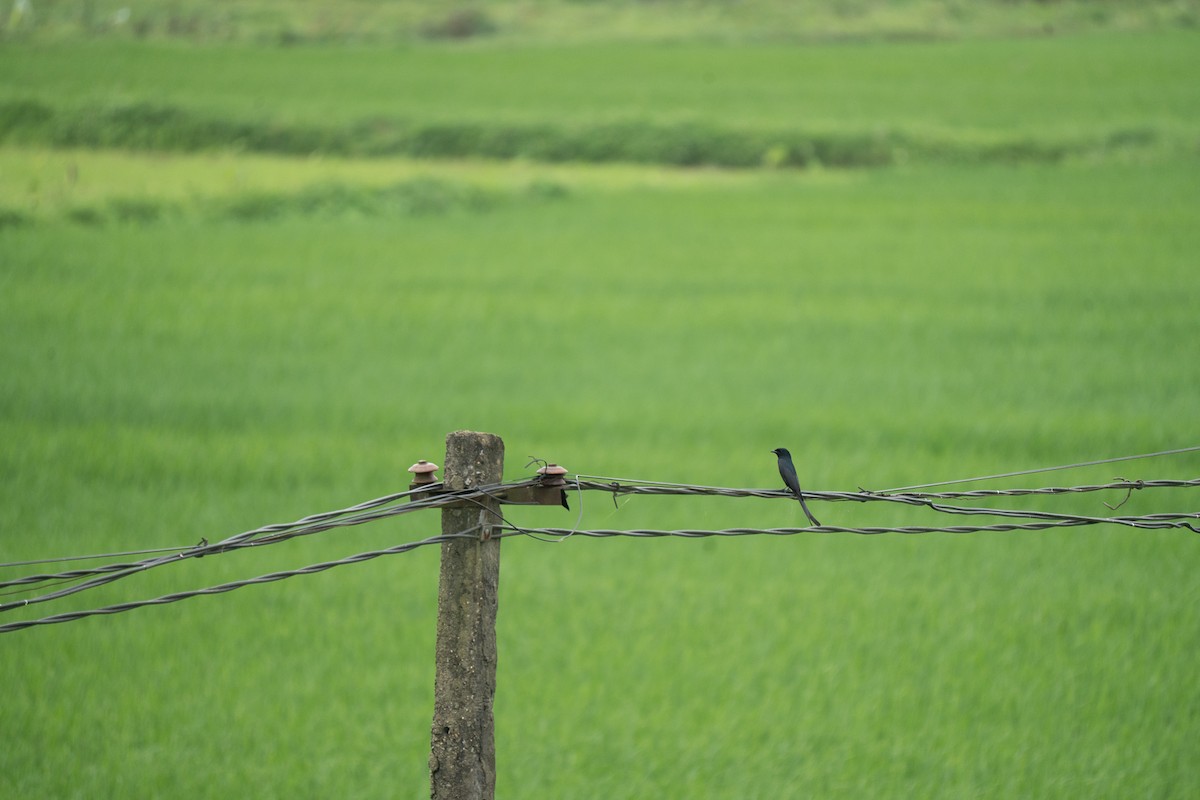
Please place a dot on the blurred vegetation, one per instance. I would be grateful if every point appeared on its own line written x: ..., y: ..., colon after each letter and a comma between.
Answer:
x: 853, y: 105
x: 143, y: 126
x: 289, y: 22
x: 330, y: 199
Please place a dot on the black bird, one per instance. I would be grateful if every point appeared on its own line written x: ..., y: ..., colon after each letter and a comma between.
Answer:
x: 787, y: 471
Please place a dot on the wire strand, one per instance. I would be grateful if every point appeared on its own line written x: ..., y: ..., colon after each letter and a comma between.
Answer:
x: 1177, y: 451
x: 1046, y: 469
x: 865, y: 495
x: 699, y: 533
x: 275, y: 534
x: 96, y: 556
x: 229, y: 587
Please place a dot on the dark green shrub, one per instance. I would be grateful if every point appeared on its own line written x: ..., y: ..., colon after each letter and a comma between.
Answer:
x: 28, y: 116
x: 11, y: 218
x: 461, y: 23
x: 85, y: 215
x: 136, y: 210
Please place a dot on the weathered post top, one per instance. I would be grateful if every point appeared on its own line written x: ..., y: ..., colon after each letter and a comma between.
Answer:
x: 473, y: 459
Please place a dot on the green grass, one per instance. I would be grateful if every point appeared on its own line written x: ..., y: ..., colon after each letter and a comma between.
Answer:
x: 191, y: 379
x: 855, y: 103
x: 177, y: 365
x: 1069, y: 84
x: 1097, y: 79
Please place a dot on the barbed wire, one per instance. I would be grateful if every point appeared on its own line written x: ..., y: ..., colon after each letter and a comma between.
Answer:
x: 431, y: 496
x: 435, y: 495
x: 699, y: 533
x: 312, y: 569
x: 619, y: 486
x: 204, y: 545
x: 926, y: 499
x: 624, y: 486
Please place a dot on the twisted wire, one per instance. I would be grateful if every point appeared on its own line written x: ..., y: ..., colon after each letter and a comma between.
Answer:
x: 267, y: 534
x: 925, y: 499
x: 229, y: 587
x: 434, y: 496
x: 624, y: 486
x: 698, y: 533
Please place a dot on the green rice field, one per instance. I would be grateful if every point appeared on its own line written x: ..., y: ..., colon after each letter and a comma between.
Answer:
x: 199, y: 337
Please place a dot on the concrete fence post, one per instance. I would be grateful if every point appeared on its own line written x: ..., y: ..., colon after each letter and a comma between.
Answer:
x: 462, y: 759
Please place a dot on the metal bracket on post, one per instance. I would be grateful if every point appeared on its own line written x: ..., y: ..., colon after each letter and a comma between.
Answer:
x: 548, y: 489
